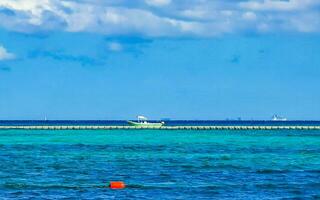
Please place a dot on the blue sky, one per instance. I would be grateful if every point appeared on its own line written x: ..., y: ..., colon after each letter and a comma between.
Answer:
x: 196, y: 59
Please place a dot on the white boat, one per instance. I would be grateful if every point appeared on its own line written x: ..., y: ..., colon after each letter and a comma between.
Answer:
x: 142, y: 122
x: 278, y: 118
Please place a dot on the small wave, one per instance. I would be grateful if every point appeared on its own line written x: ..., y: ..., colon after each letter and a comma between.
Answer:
x: 271, y: 171
x: 48, y: 186
x: 173, y: 185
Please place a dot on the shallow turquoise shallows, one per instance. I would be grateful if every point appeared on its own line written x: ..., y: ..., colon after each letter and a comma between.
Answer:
x: 159, y: 164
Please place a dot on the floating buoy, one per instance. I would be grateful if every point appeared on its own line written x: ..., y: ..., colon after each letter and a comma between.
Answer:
x: 117, y: 185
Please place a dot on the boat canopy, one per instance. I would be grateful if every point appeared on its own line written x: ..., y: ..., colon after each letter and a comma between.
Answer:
x: 142, y: 118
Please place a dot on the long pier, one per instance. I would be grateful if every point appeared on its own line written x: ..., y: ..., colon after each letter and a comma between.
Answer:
x: 83, y: 127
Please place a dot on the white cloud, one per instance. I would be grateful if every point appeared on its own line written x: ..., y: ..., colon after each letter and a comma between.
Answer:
x: 5, y: 55
x: 115, y: 46
x: 158, y: 2
x: 165, y: 19
x: 280, y: 5
x: 84, y: 17
x: 249, y: 16
x: 194, y: 13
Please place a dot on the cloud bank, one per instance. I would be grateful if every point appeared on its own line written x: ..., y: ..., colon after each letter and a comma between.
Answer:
x: 161, y: 18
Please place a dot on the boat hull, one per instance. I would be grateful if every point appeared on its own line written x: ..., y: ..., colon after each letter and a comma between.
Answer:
x: 145, y: 125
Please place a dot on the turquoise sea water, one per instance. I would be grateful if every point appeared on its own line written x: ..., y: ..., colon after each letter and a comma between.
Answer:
x: 159, y: 164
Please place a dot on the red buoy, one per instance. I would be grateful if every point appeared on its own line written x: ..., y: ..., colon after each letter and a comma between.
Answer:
x: 117, y: 185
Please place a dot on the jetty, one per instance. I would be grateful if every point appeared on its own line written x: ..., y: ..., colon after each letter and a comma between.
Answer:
x: 94, y: 127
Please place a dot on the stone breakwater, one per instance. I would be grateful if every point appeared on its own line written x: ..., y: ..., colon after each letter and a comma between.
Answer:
x: 161, y: 128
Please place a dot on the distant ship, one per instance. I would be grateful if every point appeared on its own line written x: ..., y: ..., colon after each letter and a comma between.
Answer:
x: 278, y: 118
x: 142, y: 122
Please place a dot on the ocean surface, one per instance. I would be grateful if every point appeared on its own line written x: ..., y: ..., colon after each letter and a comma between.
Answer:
x: 160, y: 164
